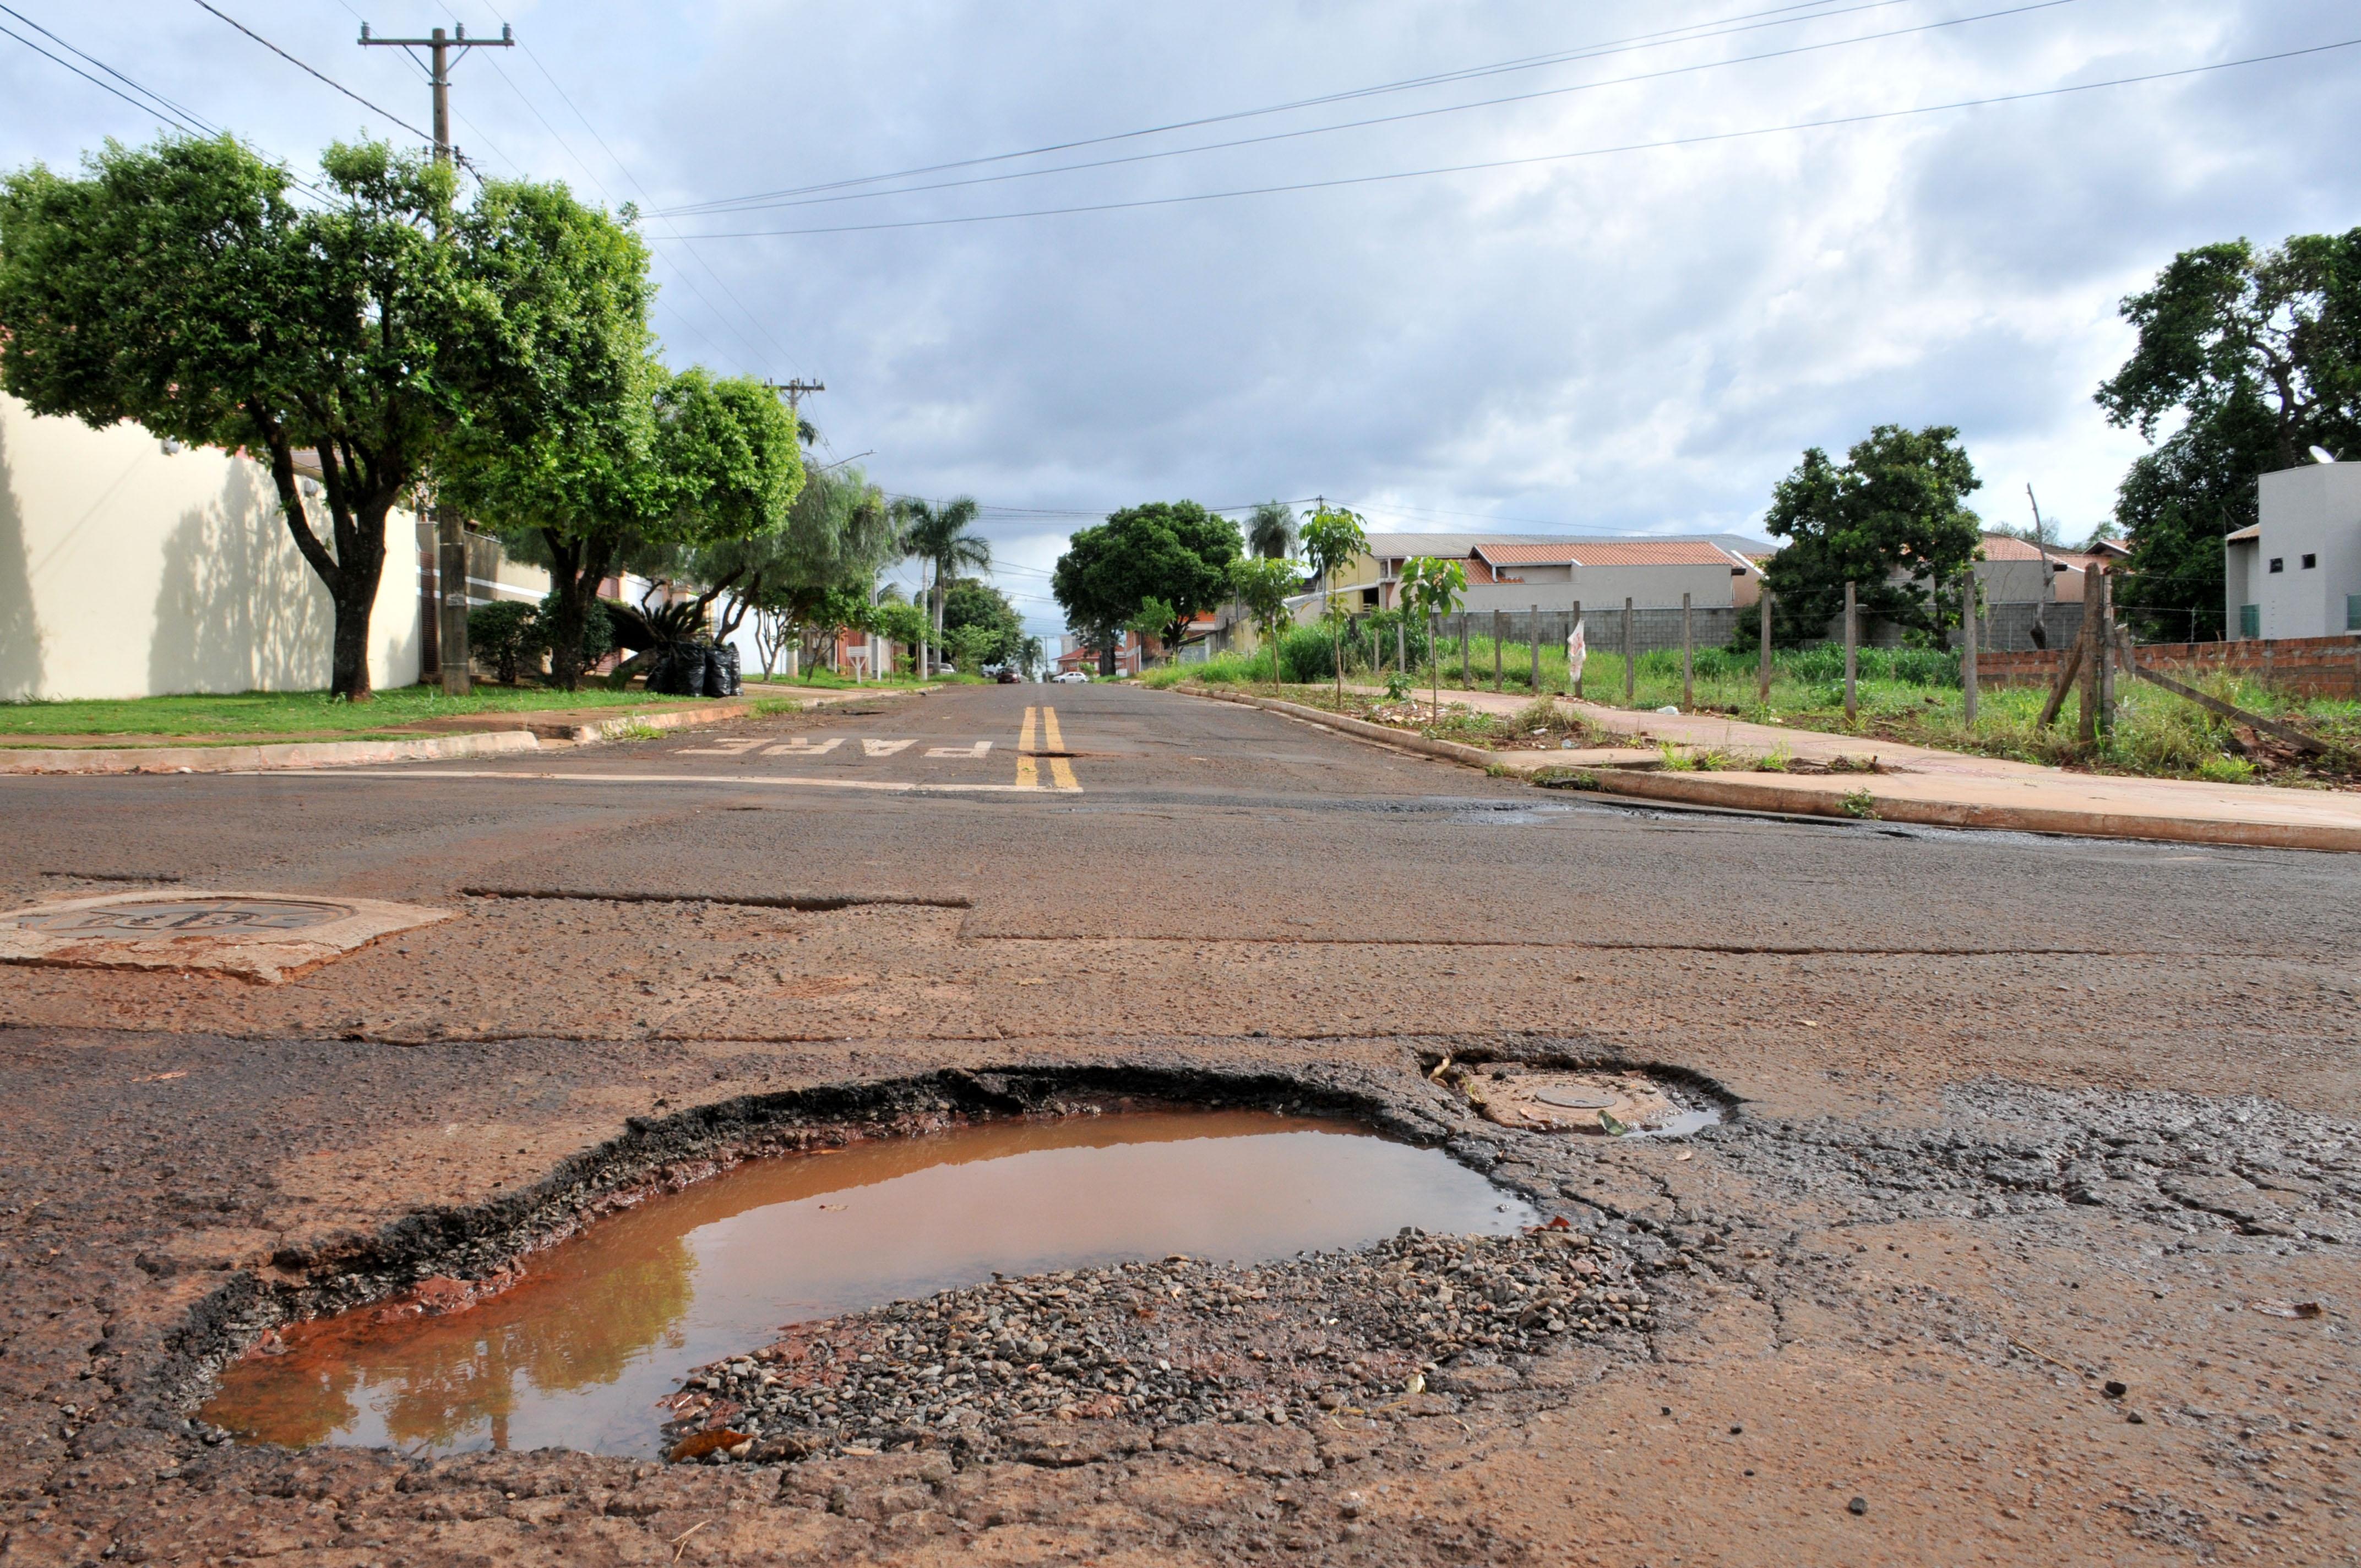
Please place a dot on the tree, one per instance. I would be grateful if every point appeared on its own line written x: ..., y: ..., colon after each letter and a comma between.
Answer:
x: 1264, y: 585
x: 1891, y: 519
x: 1271, y: 533
x: 1174, y: 551
x: 2259, y: 355
x: 1332, y: 537
x: 504, y: 634
x: 1154, y: 618
x: 839, y: 533
x: 943, y: 537
x: 981, y: 624
x: 179, y: 287
x: 687, y: 459
x: 1434, y: 589
x: 898, y: 621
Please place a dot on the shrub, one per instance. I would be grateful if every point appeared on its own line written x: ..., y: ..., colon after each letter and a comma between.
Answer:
x: 505, y: 635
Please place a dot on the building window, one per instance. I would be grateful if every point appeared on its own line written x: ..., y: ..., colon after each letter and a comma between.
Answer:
x: 2250, y: 619
x: 2310, y: 561
x: 2279, y: 563
x: 2352, y: 613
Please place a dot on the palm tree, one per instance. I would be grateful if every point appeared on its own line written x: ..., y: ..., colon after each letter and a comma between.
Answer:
x: 942, y: 535
x: 1270, y: 533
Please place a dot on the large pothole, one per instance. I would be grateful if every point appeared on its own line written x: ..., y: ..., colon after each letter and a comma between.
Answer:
x: 576, y: 1345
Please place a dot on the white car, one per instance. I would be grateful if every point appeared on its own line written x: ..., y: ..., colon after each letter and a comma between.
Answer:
x: 1068, y: 677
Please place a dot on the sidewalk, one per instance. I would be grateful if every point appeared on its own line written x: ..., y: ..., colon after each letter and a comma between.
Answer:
x: 433, y: 739
x: 1918, y: 783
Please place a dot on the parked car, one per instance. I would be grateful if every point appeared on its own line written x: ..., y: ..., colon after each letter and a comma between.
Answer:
x: 1068, y: 677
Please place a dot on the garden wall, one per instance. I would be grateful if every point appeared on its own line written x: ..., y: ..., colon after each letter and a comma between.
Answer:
x: 2299, y: 666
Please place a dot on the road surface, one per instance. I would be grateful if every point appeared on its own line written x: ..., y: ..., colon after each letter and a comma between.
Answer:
x: 2014, y: 1118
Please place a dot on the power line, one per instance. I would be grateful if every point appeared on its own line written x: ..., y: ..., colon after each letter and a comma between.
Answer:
x: 172, y: 113
x: 1704, y: 138
x: 148, y: 109
x: 1411, y: 114
x: 266, y: 43
x: 1527, y: 62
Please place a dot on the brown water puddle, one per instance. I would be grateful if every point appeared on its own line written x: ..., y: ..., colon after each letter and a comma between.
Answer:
x: 603, y: 1325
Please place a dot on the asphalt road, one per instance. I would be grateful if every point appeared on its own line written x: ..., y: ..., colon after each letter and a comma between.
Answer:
x: 1940, y: 1046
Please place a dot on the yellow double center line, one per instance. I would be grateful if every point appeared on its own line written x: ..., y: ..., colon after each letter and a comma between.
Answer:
x: 1062, y: 771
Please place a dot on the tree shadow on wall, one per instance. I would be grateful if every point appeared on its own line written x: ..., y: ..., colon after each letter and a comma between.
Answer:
x: 237, y: 609
x: 20, y: 631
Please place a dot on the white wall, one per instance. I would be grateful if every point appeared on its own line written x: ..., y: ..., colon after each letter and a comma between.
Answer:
x: 128, y: 573
x: 2315, y: 509
x: 1601, y: 587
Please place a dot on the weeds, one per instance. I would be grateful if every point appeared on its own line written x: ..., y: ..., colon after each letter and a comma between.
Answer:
x: 1860, y: 802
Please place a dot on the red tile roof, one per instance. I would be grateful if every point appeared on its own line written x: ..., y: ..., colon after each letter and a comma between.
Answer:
x: 1603, y: 552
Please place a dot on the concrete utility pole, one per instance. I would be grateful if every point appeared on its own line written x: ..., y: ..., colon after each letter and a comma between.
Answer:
x: 450, y: 528
x: 795, y: 391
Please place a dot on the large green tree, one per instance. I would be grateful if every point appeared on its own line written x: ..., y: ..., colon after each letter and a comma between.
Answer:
x: 683, y: 459
x: 1174, y: 551
x: 1891, y: 519
x: 2257, y: 354
x: 179, y: 286
x: 980, y: 626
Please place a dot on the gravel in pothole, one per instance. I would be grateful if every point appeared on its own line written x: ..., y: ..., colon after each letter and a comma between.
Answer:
x: 1168, y: 1342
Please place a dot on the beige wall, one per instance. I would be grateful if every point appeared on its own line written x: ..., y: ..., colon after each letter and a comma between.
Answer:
x: 125, y: 572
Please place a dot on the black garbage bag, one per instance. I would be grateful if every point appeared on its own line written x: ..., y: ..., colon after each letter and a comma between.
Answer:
x: 678, y: 671
x: 733, y: 683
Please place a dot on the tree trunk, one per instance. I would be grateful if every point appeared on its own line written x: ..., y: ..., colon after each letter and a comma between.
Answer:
x: 574, y: 573
x: 351, y: 575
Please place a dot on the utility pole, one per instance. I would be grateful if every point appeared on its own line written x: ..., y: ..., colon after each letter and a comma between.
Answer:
x: 795, y: 391
x: 450, y: 528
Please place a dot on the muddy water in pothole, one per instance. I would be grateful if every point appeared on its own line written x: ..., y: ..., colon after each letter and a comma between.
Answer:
x: 598, y: 1326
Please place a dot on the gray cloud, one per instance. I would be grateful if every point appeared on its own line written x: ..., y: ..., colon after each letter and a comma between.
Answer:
x: 1643, y: 341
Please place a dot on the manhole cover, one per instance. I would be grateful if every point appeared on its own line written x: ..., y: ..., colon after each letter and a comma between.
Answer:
x: 1572, y: 1102
x: 1578, y: 1099
x: 256, y: 936
x: 185, y: 918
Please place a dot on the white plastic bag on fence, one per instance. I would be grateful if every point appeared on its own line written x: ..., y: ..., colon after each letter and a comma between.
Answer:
x: 1576, y: 651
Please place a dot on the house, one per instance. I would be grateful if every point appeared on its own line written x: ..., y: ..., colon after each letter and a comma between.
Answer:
x: 1518, y: 571
x: 2296, y: 572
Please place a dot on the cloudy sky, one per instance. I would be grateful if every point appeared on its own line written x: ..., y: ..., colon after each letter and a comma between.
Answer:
x: 1634, y: 294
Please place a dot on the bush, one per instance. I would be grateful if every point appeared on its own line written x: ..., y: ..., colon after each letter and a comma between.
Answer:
x: 506, y: 635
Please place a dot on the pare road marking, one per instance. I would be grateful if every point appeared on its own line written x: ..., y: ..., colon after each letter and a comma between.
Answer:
x: 980, y: 748
x: 801, y: 746
x: 728, y: 781
x: 729, y: 746
x: 885, y: 748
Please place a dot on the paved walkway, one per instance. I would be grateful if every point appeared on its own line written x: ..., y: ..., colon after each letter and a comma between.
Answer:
x: 1918, y: 783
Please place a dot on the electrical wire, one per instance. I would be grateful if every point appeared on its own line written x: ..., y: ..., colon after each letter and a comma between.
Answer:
x: 1668, y: 71
x: 147, y: 109
x: 174, y: 114
x: 1701, y: 139
x: 266, y: 43
x: 1527, y: 62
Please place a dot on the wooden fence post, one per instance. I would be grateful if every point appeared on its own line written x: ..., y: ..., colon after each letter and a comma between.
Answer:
x: 1630, y: 676
x: 2094, y: 653
x: 1852, y: 648
x: 1464, y: 681
x: 1763, y: 680
x: 1533, y: 627
x: 1688, y: 682
x: 2104, y: 648
x: 1968, y: 650
x: 1499, y: 621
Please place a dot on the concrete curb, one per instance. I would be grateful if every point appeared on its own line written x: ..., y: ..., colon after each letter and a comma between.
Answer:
x: 1758, y: 792
x: 267, y: 757
x: 250, y: 759
x: 1754, y: 792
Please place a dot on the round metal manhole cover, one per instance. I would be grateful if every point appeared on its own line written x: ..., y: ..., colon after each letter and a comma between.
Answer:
x: 169, y: 917
x: 1578, y: 1099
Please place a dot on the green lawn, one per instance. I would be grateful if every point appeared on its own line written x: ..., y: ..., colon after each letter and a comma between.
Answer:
x: 282, y: 713
x: 1912, y: 696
